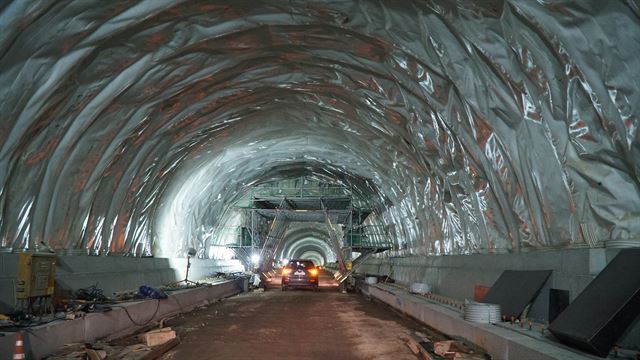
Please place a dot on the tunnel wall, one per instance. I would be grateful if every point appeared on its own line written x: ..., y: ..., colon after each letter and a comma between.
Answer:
x: 456, y: 275
x: 110, y: 273
x: 484, y: 126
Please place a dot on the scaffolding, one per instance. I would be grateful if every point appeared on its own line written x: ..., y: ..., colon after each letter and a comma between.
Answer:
x: 304, y: 200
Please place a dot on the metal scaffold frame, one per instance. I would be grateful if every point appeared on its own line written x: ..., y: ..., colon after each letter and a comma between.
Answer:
x: 325, y: 203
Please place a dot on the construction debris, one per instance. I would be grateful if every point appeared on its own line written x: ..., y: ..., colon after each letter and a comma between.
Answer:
x: 417, y: 345
x: 413, y: 346
x: 96, y: 351
x: 465, y: 356
x: 160, y: 350
x: 156, y: 343
x: 131, y: 352
x: 157, y: 337
x: 422, y: 347
x: 96, y: 354
x: 443, y: 348
x: 456, y: 350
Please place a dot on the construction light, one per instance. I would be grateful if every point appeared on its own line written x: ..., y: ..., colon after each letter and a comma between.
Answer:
x: 255, y: 259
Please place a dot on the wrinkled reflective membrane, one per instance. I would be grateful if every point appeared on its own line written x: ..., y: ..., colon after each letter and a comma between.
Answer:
x: 131, y: 127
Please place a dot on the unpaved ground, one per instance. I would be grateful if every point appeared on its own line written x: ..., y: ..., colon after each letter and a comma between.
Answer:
x: 299, y: 324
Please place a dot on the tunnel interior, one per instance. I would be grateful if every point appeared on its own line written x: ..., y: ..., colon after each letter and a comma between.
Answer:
x: 131, y: 129
x: 143, y: 130
x: 308, y: 243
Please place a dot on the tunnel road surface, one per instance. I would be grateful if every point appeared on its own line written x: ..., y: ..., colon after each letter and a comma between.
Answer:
x: 296, y: 324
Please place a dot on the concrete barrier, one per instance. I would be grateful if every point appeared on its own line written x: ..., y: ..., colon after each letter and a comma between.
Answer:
x: 500, y: 343
x: 457, y: 275
x: 42, y: 340
x: 110, y: 273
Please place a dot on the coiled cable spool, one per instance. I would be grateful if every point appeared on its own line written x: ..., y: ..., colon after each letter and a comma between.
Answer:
x: 482, y: 313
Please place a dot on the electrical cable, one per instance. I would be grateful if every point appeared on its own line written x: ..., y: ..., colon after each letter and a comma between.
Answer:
x: 96, y: 295
x: 93, y: 295
x: 145, y: 323
x: 31, y: 323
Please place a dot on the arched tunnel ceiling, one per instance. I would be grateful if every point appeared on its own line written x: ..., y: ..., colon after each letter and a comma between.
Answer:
x: 131, y: 127
x: 305, y: 237
x: 314, y: 256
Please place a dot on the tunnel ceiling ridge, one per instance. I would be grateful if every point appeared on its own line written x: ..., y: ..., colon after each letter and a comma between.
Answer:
x: 132, y: 127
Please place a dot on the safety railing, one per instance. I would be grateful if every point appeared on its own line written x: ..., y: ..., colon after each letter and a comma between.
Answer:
x: 374, y: 236
x: 301, y: 192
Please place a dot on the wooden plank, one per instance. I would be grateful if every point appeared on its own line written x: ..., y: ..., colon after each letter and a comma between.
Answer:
x: 448, y: 347
x: 416, y: 347
x: 157, y: 337
x: 132, y: 352
x: 413, y: 346
x: 159, y: 350
x: 442, y: 347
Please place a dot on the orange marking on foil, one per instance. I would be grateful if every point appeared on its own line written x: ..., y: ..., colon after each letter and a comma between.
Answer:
x: 156, y: 39
x: 395, y: 117
x: 294, y: 56
x: 372, y: 51
x: 85, y: 172
x: 119, y: 236
x: 42, y: 154
x: 483, y: 131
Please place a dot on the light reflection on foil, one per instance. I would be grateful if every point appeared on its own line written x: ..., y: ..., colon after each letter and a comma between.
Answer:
x: 131, y: 129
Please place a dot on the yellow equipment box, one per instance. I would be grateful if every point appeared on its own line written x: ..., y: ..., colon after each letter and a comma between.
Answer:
x: 36, y: 275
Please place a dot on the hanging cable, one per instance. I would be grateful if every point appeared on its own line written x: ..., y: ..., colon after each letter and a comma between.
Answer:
x: 146, y: 322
